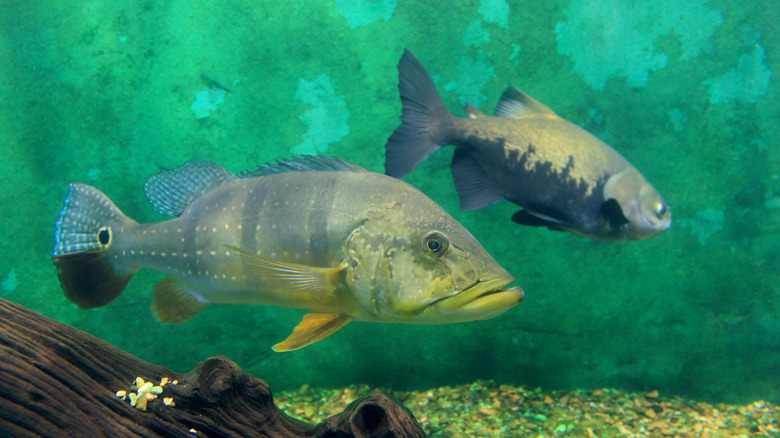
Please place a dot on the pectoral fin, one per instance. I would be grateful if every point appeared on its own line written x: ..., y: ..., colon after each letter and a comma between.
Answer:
x: 551, y: 220
x: 312, y: 328
x: 613, y: 214
x: 287, y: 277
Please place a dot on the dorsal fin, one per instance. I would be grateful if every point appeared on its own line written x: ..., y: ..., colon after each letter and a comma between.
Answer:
x: 515, y: 104
x: 171, y: 191
x: 304, y: 163
x: 473, y: 112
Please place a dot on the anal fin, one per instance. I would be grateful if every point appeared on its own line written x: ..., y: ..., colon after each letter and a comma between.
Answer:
x: 314, y: 327
x: 172, y: 304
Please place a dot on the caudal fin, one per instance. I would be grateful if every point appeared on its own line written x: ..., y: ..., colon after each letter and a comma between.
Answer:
x: 423, y: 110
x: 83, y: 247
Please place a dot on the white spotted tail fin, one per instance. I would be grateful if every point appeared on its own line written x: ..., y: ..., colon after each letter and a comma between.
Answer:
x: 83, y: 247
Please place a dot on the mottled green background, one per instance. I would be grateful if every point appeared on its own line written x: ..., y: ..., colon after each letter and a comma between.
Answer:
x: 100, y: 92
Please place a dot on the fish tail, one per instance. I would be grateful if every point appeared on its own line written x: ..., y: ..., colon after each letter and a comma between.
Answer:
x: 84, y: 247
x: 421, y: 116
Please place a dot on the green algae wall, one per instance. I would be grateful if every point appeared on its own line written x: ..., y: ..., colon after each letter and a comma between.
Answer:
x: 102, y: 93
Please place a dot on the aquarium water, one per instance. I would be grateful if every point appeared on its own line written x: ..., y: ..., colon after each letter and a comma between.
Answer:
x: 110, y: 92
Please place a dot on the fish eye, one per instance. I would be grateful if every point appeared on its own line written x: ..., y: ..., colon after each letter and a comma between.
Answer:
x: 104, y: 236
x: 435, y: 243
x: 661, y: 209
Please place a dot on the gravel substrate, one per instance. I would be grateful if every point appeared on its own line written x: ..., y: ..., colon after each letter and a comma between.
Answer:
x: 485, y: 409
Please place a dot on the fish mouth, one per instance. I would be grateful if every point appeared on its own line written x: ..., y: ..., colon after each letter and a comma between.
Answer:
x: 482, y: 300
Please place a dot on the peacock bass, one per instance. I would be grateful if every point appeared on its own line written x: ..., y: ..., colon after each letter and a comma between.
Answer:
x: 312, y: 233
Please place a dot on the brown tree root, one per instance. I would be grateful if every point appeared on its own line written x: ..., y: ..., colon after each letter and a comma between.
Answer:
x: 58, y: 381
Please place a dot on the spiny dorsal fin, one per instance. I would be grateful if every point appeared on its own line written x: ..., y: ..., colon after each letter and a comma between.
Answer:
x: 314, y: 327
x: 515, y: 104
x: 304, y: 163
x: 172, y: 304
x: 171, y: 191
x: 473, y: 112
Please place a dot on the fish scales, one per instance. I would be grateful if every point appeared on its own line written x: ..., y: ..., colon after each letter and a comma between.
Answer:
x: 560, y: 148
x: 563, y: 177
x: 297, y: 217
x: 548, y: 161
x: 311, y: 233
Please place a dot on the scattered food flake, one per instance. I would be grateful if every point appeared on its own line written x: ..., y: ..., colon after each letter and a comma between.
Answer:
x: 140, y: 403
x: 193, y: 432
x: 168, y: 401
x: 143, y: 392
x: 145, y: 388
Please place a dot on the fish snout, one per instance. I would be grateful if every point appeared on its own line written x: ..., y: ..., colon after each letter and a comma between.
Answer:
x: 484, y: 299
x: 654, y: 223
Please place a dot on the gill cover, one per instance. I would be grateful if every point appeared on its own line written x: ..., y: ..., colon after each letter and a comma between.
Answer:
x: 398, y: 268
x: 644, y: 212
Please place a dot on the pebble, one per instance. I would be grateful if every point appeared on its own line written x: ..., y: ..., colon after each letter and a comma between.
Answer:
x: 485, y: 408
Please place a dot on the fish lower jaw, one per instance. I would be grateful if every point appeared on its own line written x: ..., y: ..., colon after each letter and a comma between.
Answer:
x: 483, y: 300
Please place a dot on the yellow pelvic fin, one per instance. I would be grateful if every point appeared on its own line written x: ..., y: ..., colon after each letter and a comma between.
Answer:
x: 290, y: 277
x: 172, y: 305
x: 313, y: 327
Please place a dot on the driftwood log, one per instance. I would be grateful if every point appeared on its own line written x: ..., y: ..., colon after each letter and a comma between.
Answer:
x: 58, y: 381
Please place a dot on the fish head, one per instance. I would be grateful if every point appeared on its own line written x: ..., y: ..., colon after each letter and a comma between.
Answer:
x: 431, y: 270
x: 646, y: 213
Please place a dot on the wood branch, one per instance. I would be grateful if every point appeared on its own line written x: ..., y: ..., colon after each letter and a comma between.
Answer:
x: 58, y: 381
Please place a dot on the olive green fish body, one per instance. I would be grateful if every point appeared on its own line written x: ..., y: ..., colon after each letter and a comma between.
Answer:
x: 292, y: 217
x: 311, y: 233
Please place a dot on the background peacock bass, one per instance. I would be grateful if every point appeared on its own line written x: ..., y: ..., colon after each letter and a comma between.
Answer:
x: 313, y: 233
x: 563, y: 177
